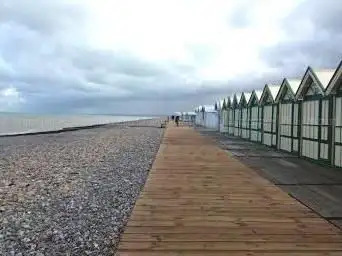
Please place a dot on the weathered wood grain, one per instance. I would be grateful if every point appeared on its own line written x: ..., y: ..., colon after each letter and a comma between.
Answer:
x: 199, y: 201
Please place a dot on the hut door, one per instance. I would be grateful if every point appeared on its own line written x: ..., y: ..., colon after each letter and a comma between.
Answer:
x: 324, y: 131
x: 295, y: 134
x: 260, y: 119
x: 244, y: 123
x: 285, y: 126
x: 267, y: 125
x: 254, y: 123
x: 310, y: 124
x: 237, y: 122
x: 274, y: 124
x: 338, y: 132
x: 231, y: 121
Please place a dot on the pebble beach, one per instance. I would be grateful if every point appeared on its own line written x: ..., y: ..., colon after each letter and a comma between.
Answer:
x: 71, y: 193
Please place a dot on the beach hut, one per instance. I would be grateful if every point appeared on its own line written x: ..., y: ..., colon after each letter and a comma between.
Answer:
x: 230, y: 111
x: 245, y: 123
x: 237, y: 114
x: 269, y: 114
x: 188, y: 117
x: 334, y: 91
x: 211, y: 118
x: 315, y: 112
x: 199, y: 121
x: 255, y: 115
x: 288, y: 135
x: 224, y: 114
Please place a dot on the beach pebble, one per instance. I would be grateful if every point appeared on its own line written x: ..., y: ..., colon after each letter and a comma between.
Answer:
x: 72, y: 193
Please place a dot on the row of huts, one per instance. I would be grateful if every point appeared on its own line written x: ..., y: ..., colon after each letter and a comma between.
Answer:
x: 301, y: 116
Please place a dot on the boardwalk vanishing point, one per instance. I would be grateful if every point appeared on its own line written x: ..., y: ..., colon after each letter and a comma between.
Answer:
x: 198, y: 200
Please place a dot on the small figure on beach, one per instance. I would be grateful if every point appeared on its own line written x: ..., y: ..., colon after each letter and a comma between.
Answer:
x: 177, y: 120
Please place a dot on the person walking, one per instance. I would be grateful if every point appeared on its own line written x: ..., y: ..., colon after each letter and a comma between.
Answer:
x: 177, y: 120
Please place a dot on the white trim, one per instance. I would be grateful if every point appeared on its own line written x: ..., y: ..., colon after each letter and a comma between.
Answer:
x: 332, y: 86
x: 287, y: 82
x: 268, y: 87
x: 237, y: 98
x: 310, y: 73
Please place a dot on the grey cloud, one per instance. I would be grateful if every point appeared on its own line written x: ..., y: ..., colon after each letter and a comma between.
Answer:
x: 40, y: 15
x: 320, y: 48
x: 55, y: 76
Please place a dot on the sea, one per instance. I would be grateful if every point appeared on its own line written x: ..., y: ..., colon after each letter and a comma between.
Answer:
x: 18, y: 123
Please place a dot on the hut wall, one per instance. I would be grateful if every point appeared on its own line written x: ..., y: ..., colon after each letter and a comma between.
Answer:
x: 245, y: 131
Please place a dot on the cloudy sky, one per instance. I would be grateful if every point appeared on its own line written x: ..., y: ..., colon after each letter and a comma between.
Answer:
x: 156, y: 56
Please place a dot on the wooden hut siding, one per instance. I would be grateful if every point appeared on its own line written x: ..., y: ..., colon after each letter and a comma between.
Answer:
x: 245, y: 124
x: 267, y: 125
x: 254, y: 116
x: 296, y: 128
x: 237, y: 114
x: 315, y: 129
x: 288, y: 116
x: 224, y: 114
x: 334, y: 91
x: 260, y: 124
x: 245, y: 120
x: 316, y: 114
x: 324, y: 129
x: 237, y: 120
x: 274, y: 125
x: 286, y: 126
x: 310, y: 117
x: 338, y: 132
x: 231, y: 121
x: 269, y: 115
x: 254, y: 124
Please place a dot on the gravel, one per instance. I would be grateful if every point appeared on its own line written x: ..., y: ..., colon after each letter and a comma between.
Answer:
x: 72, y: 193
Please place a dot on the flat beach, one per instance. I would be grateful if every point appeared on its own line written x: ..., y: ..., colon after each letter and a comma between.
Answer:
x: 71, y: 193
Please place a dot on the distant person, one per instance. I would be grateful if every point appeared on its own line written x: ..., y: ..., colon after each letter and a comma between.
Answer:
x: 172, y: 118
x: 177, y: 120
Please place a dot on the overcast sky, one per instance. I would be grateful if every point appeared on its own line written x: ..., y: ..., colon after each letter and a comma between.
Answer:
x: 156, y: 56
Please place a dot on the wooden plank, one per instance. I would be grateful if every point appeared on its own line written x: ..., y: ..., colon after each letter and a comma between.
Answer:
x: 231, y: 253
x: 226, y: 237
x: 231, y: 246
x: 199, y: 201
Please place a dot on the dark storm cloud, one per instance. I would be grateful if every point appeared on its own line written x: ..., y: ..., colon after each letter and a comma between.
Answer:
x: 314, y: 33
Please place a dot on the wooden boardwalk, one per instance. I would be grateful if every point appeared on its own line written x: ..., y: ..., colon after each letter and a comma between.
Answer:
x: 200, y: 201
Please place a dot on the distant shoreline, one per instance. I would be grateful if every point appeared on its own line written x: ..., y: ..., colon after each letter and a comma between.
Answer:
x: 76, y: 128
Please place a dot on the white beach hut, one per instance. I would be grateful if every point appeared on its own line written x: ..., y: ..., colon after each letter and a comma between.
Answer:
x: 231, y: 113
x: 224, y: 115
x: 269, y: 114
x: 211, y: 118
x: 245, y: 120
x: 315, y: 108
x: 288, y: 135
x: 199, y: 121
x: 334, y: 92
x: 255, y: 115
x: 237, y: 114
